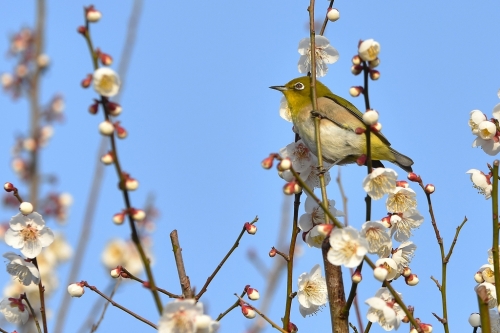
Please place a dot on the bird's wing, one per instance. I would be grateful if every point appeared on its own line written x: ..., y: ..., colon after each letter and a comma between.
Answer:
x: 355, y: 113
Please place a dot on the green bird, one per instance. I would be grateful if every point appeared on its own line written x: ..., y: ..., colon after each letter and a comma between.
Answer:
x: 339, y: 120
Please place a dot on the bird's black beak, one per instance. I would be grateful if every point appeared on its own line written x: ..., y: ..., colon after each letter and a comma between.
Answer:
x: 279, y: 88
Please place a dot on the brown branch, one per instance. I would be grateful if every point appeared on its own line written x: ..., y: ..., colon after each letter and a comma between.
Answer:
x: 187, y: 292
x: 105, y: 308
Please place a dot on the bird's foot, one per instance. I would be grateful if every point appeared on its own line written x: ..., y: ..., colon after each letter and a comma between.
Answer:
x: 316, y: 114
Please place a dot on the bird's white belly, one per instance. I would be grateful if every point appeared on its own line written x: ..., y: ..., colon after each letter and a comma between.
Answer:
x: 336, y: 143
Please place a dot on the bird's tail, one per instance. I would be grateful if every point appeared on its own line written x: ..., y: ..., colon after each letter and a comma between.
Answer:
x: 404, y: 162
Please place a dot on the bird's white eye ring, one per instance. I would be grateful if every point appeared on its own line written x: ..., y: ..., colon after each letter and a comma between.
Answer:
x: 298, y: 86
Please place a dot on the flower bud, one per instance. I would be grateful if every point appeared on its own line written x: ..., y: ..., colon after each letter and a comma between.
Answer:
x: 374, y: 74
x: 118, y: 218
x: 267, y: 163
x: 386, y: 221
x: 370, y: 117
x: 290, y: 187
x: 76, y: 290
x: 361, y: 160
x: 7, y: 80
x: 356, y: 277
x: 121, y: 132
x: 250, y: 228
x: 380, y: 273
x: 475, y: 320
x: 87, y: 81
x: 253, y: 294
x: 8, y: 187
x: 426, y: 328
x: 406, y: 271
x: 414, y: 177
x: 356, y: 60
x: 478, y: 277
x: 94, y: 108
x: 92, y: 14
x: 374, y: 63
x: 356, y: 91
x: 106, y: 128
x: 115, y: 273
x: 114, y: 109
x: 324, y: 229
x: 131, y: 184
x: 82, y: 30
x: 333, y: 14
x: 356, y: 69
x: 376, y: 127
x: 429, y: 188
x: 26, y: 208
x: 284, y: 164
x: 248, y: 312
x: 42, y: 60
x: 105, y: 59
x: 402, y: 183
x: 272, y: 253
x: 412, y: 280
x: 359, y: 130
x: 292, y: 328
x: 138, y: 214
x: 107, y: 158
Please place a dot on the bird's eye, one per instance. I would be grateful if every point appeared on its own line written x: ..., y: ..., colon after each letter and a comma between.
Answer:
x: 299, y: 86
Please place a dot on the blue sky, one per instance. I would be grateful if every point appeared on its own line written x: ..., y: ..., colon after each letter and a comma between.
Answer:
x: 201, y: 118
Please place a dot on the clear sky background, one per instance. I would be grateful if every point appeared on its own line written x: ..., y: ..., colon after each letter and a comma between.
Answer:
x: 201, y: 118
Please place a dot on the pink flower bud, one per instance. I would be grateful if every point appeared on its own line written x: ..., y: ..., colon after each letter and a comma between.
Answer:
x: 356, y: 277
x: 406, y: 272
x: 374, y: 74
x: 356, y: 69
x: 292, y: 328
x: 87, y: 81
x: 253, y: 294
x: 361, y: 160
x: 356, y: 60
x: 104, y: 58
x: 356, y: 91
x: 248, y: 312
x: 131, y: 184
x: 402, y: 183
x: 359, y: 130
x: 291, y: 188
x: 429, y: 189
x: 138, y: 214
x: 92, y: 14
x: 478, y: 277
x: 267, y: 163
x: 94, y: 108
x: 250, y: 228
x: 412, y: 280
x: 8, y: 187
x: 121, y: 132
x: 118, y: 218
x: 115, y: 273
x: 107, y: 158
x: 114, y: 109
x: 386, y: 221
x: 414, y: 177
x: 82, y: 30
x: 376, y: 127
x: 324, y: 229
x: 272, y: 253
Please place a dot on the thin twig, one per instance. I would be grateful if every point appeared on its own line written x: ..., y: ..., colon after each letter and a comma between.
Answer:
x: 32, y: 312
x: 232, y: 307
x: 106, y: 305
x: 146, y: 284
x: 266, y: 318
x: 187, y: 292
x: 217, y: 269
x: 133, y: 314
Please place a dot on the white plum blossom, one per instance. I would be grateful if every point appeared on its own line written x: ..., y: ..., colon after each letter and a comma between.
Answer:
x: 185, y: 316
x: 476, y: 117
x: 481, y: 182
x: 312, y: 293
x: 300, y: 155
x: 368, y: 50
x: 325, y: 54
x: 488, y: 273
x: 106, y: 82
x: 384, y: 310
x: 29, y: 234
x: 119, y: 252
x: 400, y: 200
x: 379, y: 182
x: 486, y: 130
x: 347, y: 247
x: 14, y: 310
x: 24, y: 271
x: 378, y: 238
x: 285, y: 110
x: 403, y: 256
x: 403, y: 224
x: 390, y: 265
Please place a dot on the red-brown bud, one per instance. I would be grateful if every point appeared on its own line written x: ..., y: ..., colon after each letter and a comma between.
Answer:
x: 87, y: 81
x: 414, y: 177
